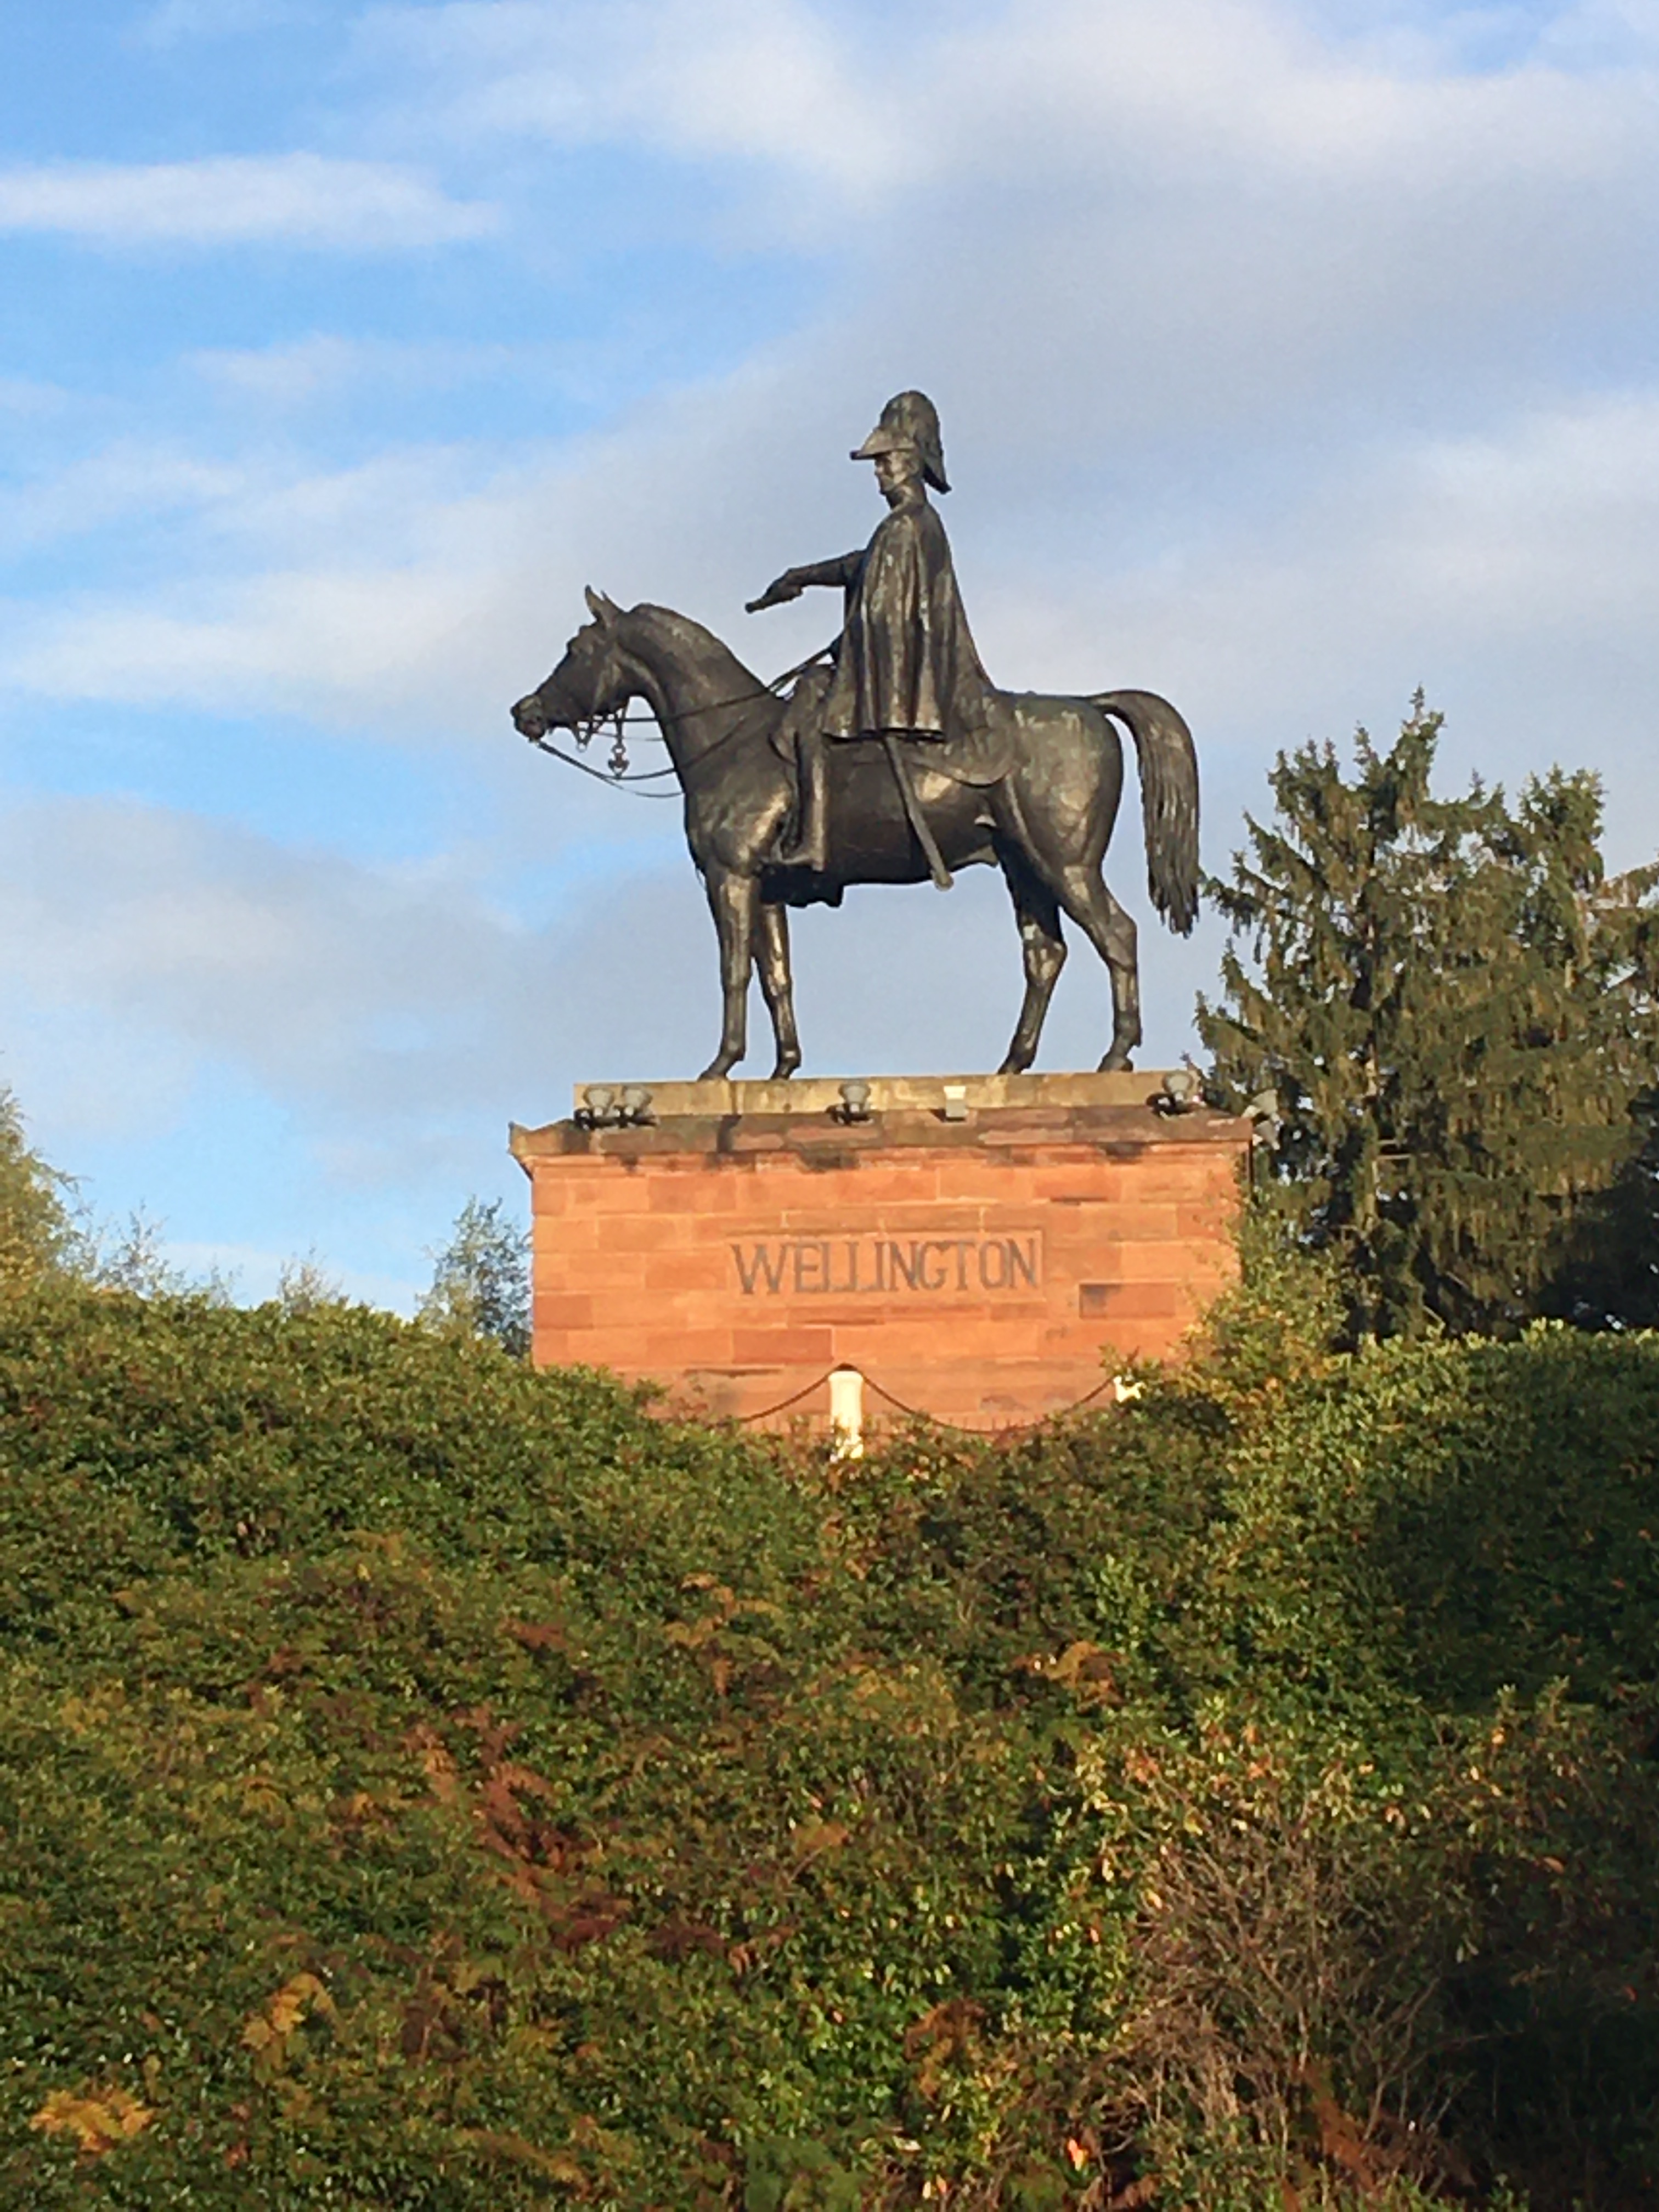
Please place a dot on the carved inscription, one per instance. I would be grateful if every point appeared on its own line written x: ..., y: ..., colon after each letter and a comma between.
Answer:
x: 839, y: 1266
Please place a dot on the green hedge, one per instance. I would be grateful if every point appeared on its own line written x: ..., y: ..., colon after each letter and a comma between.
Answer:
x: 430, y: 1783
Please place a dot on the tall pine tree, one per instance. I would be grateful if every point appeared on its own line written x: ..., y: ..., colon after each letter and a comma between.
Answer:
x: 1452, y: 1004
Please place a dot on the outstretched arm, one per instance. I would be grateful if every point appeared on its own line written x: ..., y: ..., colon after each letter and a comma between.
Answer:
x: 794, y: 581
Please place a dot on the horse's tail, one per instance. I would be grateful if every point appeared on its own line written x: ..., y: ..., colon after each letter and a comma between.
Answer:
x: 1169, y: 799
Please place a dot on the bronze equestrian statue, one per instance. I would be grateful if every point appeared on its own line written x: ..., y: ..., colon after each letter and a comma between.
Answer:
x: 898, y: 762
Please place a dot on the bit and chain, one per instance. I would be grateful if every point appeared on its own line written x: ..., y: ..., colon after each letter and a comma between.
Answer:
x: 586, y: 731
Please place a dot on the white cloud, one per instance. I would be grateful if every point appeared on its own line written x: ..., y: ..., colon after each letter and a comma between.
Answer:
x: 292, y: 199
x: 327, y: 365
x: 175, y: 21
x: 341, y: 987
x: 767, y: 81
x: 328, y: 642
x: 287, y: 375
x: 1428, y: 36
x: 1098, y: 227
x: 118, y: 485
x: 26, y: 395
x: 1548, y: 531
x: 868, y: 109
x: 359, y: 596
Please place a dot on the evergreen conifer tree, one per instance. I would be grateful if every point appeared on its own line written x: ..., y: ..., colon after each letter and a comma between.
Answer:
x: 1452, y: 1005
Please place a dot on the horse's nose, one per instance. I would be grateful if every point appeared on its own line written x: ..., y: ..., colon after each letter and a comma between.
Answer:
x: 529, y: 718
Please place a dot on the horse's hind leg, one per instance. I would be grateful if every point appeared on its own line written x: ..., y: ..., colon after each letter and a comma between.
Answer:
x: 1083, y: 895
x: 1060, y: 823
x: 1037, y: 913
x: 732, y: 900
x: 777, y: 987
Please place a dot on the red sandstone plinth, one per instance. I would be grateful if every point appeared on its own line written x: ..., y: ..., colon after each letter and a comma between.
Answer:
x: 986, y: 1268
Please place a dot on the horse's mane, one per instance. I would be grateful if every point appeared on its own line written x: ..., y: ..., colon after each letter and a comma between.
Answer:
x: 692, y: 641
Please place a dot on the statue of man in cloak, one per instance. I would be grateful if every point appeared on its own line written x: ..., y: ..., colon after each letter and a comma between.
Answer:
x: 905, y: 665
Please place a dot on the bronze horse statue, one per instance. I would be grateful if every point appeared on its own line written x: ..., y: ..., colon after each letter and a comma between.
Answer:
x: 1037, y: 796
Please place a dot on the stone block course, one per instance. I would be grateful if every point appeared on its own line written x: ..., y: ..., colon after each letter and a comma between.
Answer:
x: 988, y: 1272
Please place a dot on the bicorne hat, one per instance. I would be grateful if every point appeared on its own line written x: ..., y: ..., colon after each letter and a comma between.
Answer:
x: 910, y: 421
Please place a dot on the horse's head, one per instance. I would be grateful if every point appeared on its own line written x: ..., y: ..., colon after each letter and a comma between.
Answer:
x: 589, y: 684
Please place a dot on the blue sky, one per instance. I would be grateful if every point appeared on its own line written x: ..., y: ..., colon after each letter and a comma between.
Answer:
x: 1290, y: 356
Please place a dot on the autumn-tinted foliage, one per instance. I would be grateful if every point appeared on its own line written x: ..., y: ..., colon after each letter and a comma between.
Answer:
x: 431, y: 1783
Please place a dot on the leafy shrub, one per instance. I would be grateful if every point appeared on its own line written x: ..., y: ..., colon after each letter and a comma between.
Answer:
x: 38, y: 1232
x: 429, y: 1783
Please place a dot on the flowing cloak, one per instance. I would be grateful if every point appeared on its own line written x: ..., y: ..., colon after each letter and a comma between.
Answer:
x: 906, y: 659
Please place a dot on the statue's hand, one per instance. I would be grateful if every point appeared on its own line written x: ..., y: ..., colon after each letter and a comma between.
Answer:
x: 778, y: 592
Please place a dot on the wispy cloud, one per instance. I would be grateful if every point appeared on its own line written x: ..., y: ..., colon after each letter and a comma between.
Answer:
x: 772, y: 81
x: 290, y: 199
x: 383, y: 1007
x: 175, y: 21
x: 116, y: 484
x: 1106, y: 225
x: 374, y: 596
x: 323, y: 643
x: 333, y: 981
x: 326, y: 365
x: 861, y: 110
x: 23, y: 396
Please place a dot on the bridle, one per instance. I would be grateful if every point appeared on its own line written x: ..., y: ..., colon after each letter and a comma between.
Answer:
x: 615, y: 773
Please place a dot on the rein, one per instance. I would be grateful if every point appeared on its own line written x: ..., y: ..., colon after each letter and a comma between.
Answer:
x: 613, y: 779
x: 617, y: 774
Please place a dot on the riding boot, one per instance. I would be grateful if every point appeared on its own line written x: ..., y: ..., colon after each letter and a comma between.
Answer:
x: 811, y: 847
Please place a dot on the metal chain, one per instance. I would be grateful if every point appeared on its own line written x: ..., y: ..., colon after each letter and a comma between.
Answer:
x: 933, y: 1420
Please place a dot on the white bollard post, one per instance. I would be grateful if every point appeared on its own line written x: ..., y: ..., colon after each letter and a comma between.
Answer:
x: 847, y: 1411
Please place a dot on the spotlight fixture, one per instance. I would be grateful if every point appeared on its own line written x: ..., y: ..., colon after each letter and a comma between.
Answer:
x: 1181, y: 1090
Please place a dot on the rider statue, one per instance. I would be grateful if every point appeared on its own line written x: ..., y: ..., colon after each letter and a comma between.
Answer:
x: 905, y: 665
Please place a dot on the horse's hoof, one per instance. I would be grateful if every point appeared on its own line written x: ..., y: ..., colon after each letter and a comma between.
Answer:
x: 784, y: 1070
x: 1013, y: 1065
x: 717, y: 1070
x: 1115, y: 1063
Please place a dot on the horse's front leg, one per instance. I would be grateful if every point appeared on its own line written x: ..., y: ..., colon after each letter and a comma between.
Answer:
x: 772, y: 958
x: 733, y: 900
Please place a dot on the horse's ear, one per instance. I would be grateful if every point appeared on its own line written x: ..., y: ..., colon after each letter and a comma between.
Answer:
x: 602, y: 608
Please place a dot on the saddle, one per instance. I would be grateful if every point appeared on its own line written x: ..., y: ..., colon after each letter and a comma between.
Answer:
x: 976, y: 757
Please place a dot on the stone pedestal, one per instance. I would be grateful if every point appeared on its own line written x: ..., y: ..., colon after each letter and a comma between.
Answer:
x: 982, y: 1249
